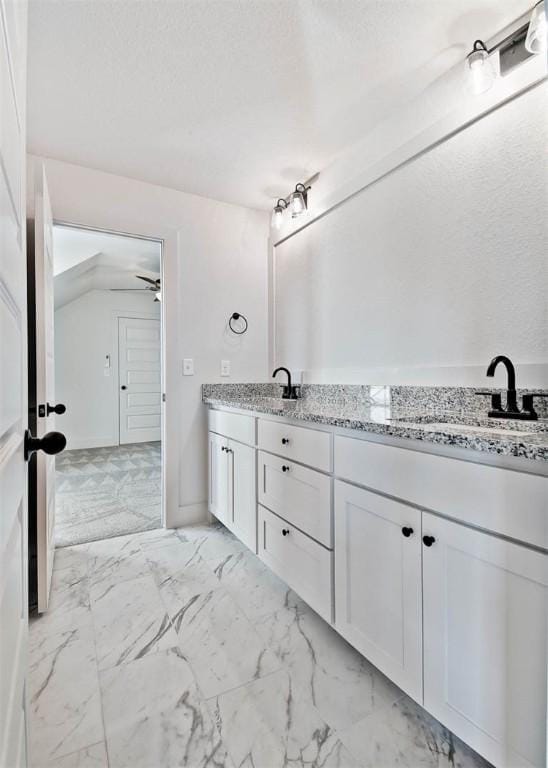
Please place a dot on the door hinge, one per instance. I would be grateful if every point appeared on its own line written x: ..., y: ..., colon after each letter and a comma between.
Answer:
x: 163, y: 397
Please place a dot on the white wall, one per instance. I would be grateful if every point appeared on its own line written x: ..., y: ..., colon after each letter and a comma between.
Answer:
x: 215, y: 262
x: 428, y: 273
x: 86, y: 330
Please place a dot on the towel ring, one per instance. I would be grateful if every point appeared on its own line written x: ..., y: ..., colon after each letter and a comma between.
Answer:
x: 241, y: 327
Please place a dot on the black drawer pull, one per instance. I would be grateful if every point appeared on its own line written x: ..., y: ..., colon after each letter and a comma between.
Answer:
x: 285, y: 531
x: 285, y: 440
x: 285, y: 468
x: 407, y: 532
x: 428, y: 540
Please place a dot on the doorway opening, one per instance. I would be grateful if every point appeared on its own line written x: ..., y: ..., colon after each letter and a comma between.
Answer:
x: 109, y: 375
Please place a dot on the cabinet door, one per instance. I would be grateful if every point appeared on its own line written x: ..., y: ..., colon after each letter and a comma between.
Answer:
x: 485, y: 640
x: 378, y: 582
x: 243, y: 511
x: 218, y: 477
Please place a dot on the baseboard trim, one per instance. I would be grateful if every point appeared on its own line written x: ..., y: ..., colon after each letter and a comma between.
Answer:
x: 188, y: 514
x: 80, y: 445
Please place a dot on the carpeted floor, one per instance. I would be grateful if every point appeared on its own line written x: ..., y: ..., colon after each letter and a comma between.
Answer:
x: 105, y: 492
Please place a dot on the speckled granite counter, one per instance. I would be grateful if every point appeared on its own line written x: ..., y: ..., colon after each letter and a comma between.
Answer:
x: 443, y: 415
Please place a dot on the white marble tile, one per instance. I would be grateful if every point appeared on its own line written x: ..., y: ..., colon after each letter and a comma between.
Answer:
x: 155, y: 718
x: 94, y: 756
x: 64, y: 699
x: 336, y: 679
x: 404, y: 735
x: 72, y: 557
x: 159, y: 537
x: 254, y: 587
x: 221, y: 644
x: 130, y: 621
x: 69, y: 604
x: 174, y: 562
x: 210, y: 541
x: 114, y: 560
x: 265, y: 724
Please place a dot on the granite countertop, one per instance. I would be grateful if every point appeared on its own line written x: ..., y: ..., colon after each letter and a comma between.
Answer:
x: 474, y: 431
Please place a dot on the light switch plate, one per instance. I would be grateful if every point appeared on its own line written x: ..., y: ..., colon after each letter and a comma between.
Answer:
x: 225, y: 367
x: 188, y: 366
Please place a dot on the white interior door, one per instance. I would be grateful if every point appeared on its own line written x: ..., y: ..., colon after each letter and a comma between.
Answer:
x: 45, y: 386
x: 139, y: 351
x: 13, y: 388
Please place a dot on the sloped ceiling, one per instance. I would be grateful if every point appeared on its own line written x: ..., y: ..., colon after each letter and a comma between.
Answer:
x: 85, y: 260
x: 229, y: 99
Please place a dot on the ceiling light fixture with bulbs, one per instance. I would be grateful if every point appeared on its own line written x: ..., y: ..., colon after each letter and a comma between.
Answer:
x: 297, y: 203
x: 526, y: 41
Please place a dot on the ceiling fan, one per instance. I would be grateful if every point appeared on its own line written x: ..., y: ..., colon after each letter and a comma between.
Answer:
x: 155, y: 287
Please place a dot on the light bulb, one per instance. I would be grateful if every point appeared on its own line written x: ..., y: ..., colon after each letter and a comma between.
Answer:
x: 297, y: 201
x: 479, y: 71
x: 277, y: 217
x: 537, y: 34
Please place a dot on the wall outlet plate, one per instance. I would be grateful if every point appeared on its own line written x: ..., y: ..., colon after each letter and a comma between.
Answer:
x: 225, y: 367
x: 188, y: 366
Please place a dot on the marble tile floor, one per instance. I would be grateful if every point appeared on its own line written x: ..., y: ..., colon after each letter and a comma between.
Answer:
x: 105, y: 492
x: 179, y: 648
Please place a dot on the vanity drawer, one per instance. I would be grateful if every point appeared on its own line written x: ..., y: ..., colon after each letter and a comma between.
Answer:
x: 235, y: 425
x: 504, y: 501
x: 302, y: 563
x: 310, y: 446
x: 300, y: 495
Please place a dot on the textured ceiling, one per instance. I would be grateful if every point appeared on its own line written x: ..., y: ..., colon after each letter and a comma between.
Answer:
x: 234, y: 99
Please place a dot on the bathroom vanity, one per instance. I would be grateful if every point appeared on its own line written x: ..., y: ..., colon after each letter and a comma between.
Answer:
x: 424, y: 542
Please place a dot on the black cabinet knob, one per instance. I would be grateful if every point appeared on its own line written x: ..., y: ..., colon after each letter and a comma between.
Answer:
x: 285, y: 440
x: 51, y: 443
x: 123, y: 386
x: 285, y: 468
x: 406, y: 531
x: 428, y: 540
x: 285, y: 531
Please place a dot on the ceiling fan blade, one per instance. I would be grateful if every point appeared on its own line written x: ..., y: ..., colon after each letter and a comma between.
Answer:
x: 148, y: 280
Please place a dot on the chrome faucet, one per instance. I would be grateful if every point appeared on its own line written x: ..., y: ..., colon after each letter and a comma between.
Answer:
x: 289, y: 391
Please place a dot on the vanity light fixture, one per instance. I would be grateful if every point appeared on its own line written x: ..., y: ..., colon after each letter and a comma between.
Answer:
x: 297, y: 202
x: 278, y: 212
x: 479, y: 71
x: 536, y: 40
x: 525, y: 41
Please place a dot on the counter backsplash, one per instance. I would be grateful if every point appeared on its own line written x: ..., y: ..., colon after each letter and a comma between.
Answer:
x: 404, y: 398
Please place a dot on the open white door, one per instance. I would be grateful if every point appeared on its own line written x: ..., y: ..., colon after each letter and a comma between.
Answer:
x: 45, y: 386
x: 13, y: 389
x: 139, y: 351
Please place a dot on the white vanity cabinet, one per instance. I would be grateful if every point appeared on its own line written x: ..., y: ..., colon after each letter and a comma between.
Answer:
x: 232, y: 475
x: 434, y: 567
x: 378, y: 597
x: 485, y: 641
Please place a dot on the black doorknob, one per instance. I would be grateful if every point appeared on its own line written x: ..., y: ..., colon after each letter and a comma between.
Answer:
x: 428, y: 540
x: 51, y: 443
x: 407, y: 532
x: 284, y: 531
x: 123, y: 386
x: 59, y: 409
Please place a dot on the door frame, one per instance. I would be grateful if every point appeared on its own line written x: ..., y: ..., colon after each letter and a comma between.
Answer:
x: 169, y: 324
